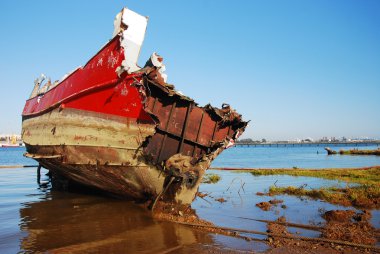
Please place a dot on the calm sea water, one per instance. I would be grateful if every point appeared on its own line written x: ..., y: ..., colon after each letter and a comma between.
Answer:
x: 298, y: 156
x: 34, y: 218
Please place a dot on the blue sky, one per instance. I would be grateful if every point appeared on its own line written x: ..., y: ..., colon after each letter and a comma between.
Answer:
x: 296, y: 68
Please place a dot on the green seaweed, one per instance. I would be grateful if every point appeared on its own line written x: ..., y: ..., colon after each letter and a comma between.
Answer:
x: 369, y: 176
x: 362, y: 196
x: 360, y: 152
x: 366, y: 194
x: 211, y: 178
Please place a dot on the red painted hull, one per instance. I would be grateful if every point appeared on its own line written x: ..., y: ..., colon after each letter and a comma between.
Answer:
x: 95, y: 87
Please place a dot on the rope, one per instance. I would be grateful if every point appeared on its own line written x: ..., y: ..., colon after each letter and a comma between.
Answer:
x: 162, y: 192
x: 305, y: 238
x: 288, y: 224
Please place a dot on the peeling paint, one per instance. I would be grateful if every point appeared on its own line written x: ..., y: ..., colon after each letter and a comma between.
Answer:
x: 131, y: 27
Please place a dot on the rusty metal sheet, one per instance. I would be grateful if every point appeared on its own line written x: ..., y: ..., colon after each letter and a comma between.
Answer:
x: 194, y: 124
x: 207, y: 130
x: 177, y: 120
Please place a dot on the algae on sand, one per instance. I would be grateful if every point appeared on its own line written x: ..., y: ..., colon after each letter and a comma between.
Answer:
x: 360, y: 152
x: 365, y: 195
x: 369, y: 176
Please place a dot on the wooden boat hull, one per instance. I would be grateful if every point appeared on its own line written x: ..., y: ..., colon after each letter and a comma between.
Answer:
x: 129, y: 134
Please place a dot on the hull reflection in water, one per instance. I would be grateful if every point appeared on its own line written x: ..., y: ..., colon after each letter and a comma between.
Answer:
x: 93, y: 224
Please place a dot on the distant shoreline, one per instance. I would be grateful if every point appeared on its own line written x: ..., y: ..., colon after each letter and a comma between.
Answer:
x: 289, y: 143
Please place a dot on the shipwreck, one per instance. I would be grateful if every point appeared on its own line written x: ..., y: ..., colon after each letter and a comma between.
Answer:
x: 121, y: 128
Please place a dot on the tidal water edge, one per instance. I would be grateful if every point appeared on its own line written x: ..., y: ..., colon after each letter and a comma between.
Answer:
x: 36, y: 218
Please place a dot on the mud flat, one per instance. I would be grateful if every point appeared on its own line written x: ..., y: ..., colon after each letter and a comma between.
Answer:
x: 360, y: 152
x: 329, y: 211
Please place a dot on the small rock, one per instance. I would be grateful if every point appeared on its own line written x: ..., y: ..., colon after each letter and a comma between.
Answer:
x: 339, y: 215
x: 264, y: 206
x: 276, y: 201
x: 221, y: 200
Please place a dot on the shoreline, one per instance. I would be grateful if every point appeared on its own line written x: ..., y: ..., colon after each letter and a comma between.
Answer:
x: 288, y: 169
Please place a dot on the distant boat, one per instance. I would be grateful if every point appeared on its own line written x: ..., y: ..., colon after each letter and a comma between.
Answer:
x: 122, y: 129
x: 11, y: 142
x: 10, y: 145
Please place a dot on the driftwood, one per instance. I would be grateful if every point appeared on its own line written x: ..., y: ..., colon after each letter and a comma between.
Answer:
x: 330, y: 151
